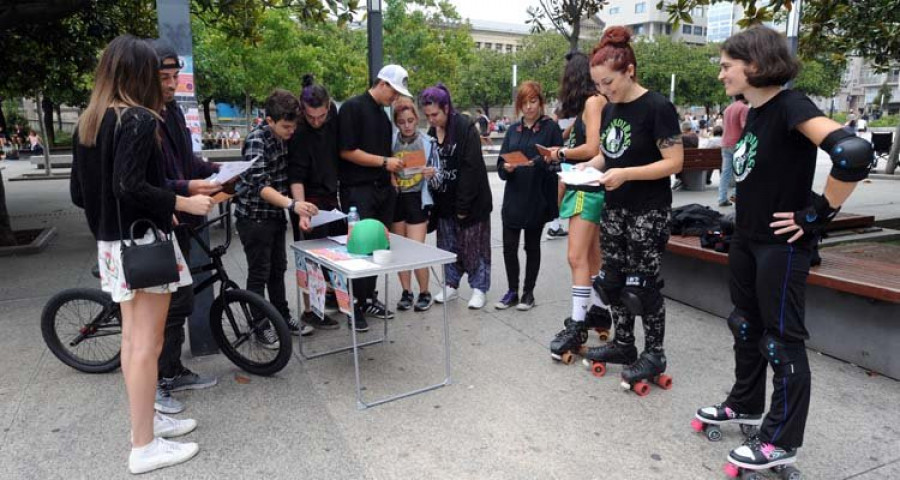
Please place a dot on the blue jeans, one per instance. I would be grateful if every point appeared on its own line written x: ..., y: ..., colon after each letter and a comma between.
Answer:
x: 725, y: 179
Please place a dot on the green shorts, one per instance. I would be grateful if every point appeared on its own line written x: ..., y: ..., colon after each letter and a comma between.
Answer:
x: 587, y: 204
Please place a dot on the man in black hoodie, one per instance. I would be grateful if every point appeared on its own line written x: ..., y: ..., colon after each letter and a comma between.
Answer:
x: 184, y: 175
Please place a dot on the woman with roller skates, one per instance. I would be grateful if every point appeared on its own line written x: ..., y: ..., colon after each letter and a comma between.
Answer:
x: 777, y: 218
x: 581, y: 204
x: 641, y: 148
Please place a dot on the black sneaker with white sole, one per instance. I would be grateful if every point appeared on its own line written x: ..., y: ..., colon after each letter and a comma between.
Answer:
x: 361, y: 324
x: 374, y: 308
x: 406, y: 301
x: 424, y: 302
x: 299, y: 328
x: 557, y: 232
x: 268, y: 338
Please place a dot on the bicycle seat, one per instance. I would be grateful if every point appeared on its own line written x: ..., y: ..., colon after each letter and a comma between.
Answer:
x: 95, y: 271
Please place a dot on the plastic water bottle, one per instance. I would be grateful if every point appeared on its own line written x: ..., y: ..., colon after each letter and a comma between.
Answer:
x: 352, y: 218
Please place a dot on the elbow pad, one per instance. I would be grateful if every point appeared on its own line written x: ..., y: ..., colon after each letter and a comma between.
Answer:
x: 852, y: 156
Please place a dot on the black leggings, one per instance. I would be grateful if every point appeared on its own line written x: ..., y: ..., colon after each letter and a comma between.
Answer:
x: 532, y: 256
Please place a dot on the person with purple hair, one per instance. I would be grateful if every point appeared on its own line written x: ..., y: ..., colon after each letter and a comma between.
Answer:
x: 462, y: 201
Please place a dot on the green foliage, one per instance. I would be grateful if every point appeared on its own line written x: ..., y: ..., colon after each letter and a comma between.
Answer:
x: 486, y: 81
x: 883, y: 97
x: 886, y: 121
x: 429, y: 39
x: 820, y: 77
x: 542, y: 59
x: 239, y: 16
x: 695, y: 67
x: 565, y: 16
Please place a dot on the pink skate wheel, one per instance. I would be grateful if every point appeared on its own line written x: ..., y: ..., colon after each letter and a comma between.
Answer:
x: 697, y: 425
x: 641, y: 389
x: 732, y: 470
x: 598, y: 369
x: 664, y: 381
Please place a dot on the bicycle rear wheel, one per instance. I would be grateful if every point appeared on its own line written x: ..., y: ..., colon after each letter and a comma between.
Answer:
x: 237, y: 318
x: 83, y: 328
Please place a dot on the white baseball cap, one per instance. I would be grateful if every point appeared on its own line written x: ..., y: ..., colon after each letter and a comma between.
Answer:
x: 397, y: 77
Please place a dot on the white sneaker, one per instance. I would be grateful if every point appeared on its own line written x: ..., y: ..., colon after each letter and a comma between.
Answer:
x: 478, y: 299
x: 160, y: 453
x: 452, y: 294
x: 168, y: 427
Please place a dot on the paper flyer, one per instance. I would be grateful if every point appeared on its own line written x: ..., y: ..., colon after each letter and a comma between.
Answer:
x: 316, y: 288
x: 341, y: 291
x: 300, y: 266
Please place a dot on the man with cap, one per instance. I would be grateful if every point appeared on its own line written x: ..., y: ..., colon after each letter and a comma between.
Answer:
x: 364, y: 172
x: 184, y: 175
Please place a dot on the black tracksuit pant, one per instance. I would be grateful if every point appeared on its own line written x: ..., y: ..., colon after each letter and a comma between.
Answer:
x: 532, y: 256
x: 372, y: 200
x: 768, y: 286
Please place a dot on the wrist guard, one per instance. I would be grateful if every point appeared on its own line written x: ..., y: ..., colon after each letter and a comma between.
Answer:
x: 813, y: 219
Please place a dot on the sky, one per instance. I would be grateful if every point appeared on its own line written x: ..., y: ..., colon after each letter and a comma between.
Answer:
x: 507, y: 11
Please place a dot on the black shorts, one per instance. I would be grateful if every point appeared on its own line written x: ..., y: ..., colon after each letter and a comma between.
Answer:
x: 409, y: 208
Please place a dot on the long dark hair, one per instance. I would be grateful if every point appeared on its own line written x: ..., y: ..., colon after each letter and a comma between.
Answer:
x: 127, y: 76
x: 575, y: 86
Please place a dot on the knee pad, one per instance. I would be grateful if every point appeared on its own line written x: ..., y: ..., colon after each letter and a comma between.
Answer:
x: 608, y: 284
x: 786, y: 358
x: 641, y: 294
x: 744, y: 333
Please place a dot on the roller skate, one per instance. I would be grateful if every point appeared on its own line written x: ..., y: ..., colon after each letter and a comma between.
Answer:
x: 595, y: 359
x: 709, y: 419
x: 755, y: 456
x: 568, y: 341
x: 650, y: 366
x: 600, y: 320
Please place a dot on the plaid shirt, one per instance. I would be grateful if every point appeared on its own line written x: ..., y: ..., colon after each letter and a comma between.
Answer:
x: 270, y: 170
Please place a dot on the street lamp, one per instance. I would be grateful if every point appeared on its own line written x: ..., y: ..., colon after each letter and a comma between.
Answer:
x: 374, y: 27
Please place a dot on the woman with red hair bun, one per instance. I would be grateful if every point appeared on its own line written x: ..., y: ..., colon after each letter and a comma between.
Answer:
x: 640, y: 144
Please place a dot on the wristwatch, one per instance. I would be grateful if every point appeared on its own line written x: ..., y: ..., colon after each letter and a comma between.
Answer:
x: 561, y: 153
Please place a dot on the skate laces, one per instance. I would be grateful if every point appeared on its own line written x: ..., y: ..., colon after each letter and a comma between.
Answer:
x: 767, y: 449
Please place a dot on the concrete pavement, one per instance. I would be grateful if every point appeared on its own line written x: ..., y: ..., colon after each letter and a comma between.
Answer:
x: 511, y: 412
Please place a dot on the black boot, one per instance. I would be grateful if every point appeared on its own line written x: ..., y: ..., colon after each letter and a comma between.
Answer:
x: 569, y: 339
x: 614, y: 352
x: 649, y: 366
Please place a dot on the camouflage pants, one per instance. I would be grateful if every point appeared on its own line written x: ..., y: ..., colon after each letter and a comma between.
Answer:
x: 633, y: 244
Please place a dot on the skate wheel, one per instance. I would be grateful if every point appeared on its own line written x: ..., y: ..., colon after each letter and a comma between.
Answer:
x: 749, y: 430
x: 732, y: 470
x: 641, y: 389
x: 788, y: 472
x: 603, y: 334
x: 713, y: 434
x: 567, y: 358
x: 598, y: 369
x: 664, y: 381
x: 696, y: 425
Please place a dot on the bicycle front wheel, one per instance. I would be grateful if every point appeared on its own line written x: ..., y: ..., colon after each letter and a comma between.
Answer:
x: 83, y: 328
x: 239, y: 320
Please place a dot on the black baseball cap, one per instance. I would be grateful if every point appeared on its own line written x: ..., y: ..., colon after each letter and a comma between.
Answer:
x: 166, y: 54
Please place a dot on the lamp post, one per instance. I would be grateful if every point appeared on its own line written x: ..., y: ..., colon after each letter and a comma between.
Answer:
x: 374, y: 28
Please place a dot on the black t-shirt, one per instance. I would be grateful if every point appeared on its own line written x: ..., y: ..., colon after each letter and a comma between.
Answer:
x: 363, y: 125
x: 773, y: 164
x: 628, y: 136
x: 313, y: 157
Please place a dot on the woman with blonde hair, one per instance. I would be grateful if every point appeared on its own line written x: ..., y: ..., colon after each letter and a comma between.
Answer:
x: 118, y: 178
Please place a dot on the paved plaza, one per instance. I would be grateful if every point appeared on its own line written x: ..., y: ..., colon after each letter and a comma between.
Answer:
x: 510, y: 413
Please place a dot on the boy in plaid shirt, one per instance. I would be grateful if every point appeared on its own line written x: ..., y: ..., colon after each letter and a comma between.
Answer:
x: 260, y: 207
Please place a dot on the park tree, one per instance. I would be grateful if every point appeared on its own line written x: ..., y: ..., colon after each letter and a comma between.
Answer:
x: 882, y: 97
x: 542, y: 58
x: 486, y: 80
x: 564, y: 17
x: 820, y: 77
x: 695, y: 67
x: 429, y: 39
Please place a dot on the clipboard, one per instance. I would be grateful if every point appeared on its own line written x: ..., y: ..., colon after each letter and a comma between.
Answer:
x: 515, y: 158
x: 544, y: 151
x: 412, y: 159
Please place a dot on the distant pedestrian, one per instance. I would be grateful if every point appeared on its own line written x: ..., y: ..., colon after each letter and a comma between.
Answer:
x: 734, y: 119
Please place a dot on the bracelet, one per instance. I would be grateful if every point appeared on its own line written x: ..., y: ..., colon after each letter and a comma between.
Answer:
x: 384, y: 162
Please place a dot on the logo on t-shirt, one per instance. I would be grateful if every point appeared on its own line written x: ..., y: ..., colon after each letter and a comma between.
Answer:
x: 744, y: 156
x: 616, y: 138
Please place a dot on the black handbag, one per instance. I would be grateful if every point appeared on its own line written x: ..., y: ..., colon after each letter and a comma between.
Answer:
x: 148, y: 265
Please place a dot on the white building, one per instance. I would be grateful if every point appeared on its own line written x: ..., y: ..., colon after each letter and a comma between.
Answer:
x: 860, y: 85
x: 646, y: 20
x: 507, y: 37
x: 723, y: 17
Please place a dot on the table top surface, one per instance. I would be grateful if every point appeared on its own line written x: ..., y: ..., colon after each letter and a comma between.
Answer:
x: 406, y: 254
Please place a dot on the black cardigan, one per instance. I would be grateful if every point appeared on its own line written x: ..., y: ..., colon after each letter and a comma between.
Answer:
x: 127, y: 166
x: 529, y: 199
x: 464, y: 190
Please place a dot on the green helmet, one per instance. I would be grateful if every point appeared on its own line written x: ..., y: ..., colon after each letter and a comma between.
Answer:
x: 367, y: 236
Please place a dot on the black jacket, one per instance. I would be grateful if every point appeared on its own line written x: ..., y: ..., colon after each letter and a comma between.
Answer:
x: 313, y: 159
x: 127, y: 166
x: 529, y: 199
x: 181, y: 165
x: 464, y: 190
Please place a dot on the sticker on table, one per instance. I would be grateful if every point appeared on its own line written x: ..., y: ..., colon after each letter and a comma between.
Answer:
x: 300, y: 267
x: 341, y: 291
x: 316, y: 288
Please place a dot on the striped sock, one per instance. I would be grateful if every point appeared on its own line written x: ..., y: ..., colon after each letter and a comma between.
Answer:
x: 595, y: 297
x: 581, y: 299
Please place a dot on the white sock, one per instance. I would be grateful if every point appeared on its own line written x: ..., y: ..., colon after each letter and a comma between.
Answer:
x: 581, y: 298
x: 595, y: 297
x: 554, y: 225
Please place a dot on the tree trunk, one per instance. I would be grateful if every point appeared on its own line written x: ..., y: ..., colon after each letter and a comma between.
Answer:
x: 59, y: 125
x: 895, y: 151
x: 50, y: 138
x: 2, y: 116
x: 7, y: 238
x: 576, y: 33
x: 206, y: 115
x: 248, y: 105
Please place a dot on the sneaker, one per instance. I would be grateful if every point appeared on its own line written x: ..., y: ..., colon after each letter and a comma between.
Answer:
x: 160, y: 453
x: 327, y: 323
x: 527, y: 302
x: 165, y: 403
x: 267, y: 338
x: 755, y: 454
x: 376, y: 309
x: 556, y: 232
x: 452, y: 294
x: 726, y: 203
x: 424, y: 302
x: 188, y: 380
x: 406, y: 301
x: 299, y: 328
x: 168, y: 427
x: 509, y: 300
x: 478, y: 299
x: 361, y: 324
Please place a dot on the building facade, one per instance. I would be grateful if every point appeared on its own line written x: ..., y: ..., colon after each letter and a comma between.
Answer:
x: 645, y: 20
